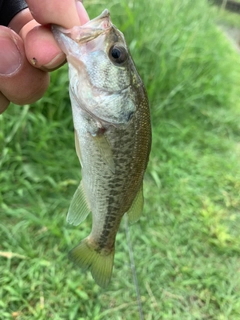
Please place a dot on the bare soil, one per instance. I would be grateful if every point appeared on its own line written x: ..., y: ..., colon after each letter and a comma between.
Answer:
x: 233, y: 34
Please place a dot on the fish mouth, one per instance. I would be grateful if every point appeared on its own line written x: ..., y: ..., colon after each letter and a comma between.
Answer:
x: 85, y: 33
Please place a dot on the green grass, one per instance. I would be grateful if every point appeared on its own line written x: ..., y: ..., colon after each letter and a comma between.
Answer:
x: 187, y: 243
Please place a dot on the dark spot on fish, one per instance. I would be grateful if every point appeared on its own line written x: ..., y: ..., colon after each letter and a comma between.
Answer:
x: 115, y: 37
x: 105, y: 233
x: 130, y: 115
x: 114, y: 192
x: 111, y: 199
x: 101, y: 131
x: 112, y: 219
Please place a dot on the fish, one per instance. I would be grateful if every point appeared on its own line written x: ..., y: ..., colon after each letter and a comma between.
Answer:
x: 111, y: 117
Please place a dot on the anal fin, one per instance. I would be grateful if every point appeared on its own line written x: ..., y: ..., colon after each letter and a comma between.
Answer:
x: 136, y: 209
x: 79, y: 208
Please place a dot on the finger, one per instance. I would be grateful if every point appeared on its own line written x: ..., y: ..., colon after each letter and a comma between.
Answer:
x: 64, y: 13
x: 19, y: 81
x: 41, y: 49
x: 20, y: 19
x: 82, y: 13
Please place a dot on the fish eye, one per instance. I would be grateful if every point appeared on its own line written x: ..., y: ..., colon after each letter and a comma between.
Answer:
x: 118, y: 54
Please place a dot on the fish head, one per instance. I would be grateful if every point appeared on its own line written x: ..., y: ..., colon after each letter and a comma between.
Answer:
x: 103, y: 77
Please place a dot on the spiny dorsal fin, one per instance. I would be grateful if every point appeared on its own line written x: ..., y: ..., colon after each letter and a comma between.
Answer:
x: 135, y: 210
x: 79, y: 207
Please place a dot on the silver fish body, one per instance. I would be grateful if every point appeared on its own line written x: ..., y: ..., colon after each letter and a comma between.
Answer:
x: 112, y: 135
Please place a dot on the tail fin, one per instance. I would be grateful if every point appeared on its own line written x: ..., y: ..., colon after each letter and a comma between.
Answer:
x: 99, y: 263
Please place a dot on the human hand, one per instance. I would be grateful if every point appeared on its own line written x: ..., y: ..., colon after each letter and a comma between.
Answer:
x: 29, y: 51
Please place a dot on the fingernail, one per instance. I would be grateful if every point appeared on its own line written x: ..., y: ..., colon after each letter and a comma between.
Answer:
x: 55, y: 62
x: 10, y: 57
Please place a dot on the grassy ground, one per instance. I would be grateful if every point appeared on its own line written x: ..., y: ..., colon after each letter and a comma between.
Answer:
x: 187, y: 243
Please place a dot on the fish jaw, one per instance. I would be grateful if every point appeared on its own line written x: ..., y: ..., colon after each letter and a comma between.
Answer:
x: 69, y: 39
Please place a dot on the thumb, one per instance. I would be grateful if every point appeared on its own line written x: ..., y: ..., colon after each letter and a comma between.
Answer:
x: 10, y: 60
x: 20, y: 82
x: 10, y: 56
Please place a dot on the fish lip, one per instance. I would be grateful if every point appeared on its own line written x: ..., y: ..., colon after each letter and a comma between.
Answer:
x: 87, y: 32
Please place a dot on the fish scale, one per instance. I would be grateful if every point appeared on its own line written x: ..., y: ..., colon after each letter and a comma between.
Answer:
x: 112, y: 135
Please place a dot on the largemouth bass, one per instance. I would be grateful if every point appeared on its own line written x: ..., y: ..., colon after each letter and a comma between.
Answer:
x: 112, y: 136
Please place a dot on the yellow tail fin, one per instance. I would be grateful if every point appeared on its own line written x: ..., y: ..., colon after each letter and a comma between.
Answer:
x: 99, y: 263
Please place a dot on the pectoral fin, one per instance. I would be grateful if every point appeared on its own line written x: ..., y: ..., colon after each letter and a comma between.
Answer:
x: 79, y: 207
x: 135, y: 210
x: 77, y: 146
x: 105, y: 151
